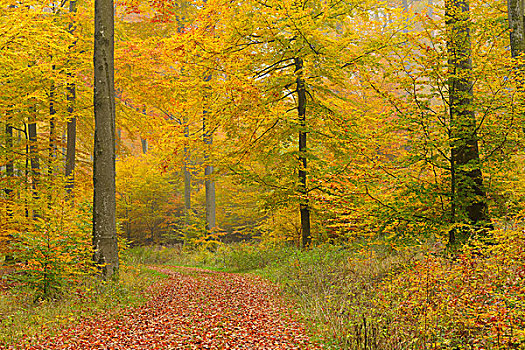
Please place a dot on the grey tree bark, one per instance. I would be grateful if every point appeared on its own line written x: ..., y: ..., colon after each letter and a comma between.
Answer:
x: 144, y: 144
x: 516, y: 11
x: 468, y: 198
x: 72, y: 120
x: 33, y: 153
x: 516, y: 16
x: 52, y: 147
x: 104, y: 203
x: 304, y: 207
x: 209, y: 184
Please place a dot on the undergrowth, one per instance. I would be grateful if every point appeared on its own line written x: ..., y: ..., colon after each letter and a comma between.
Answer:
x: 385, y: 297
x: 359, y: 297
x: 22, y: 318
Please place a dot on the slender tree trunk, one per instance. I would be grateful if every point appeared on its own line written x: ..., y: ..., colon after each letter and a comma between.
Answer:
x: 10, y: 164
x: 71, y: 118
x: 404, y: 4
x: 52, y: 148
x: 144, y: 144
x: 303, y: 187
x: 468, y: 198
x: 33, y: 155
x: 71, y: 147
x: 516, y: 11
x: 209, y: 184
x: 128, y: 224
x: 26, y: 169
x: 104, y: 203
x: 187, y: 189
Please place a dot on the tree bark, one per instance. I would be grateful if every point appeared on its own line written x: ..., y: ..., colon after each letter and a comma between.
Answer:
x: 52, y: 148
x: 209, y: 184
x: 144, y: 144
x: 72, y: 120
x: 468, y: 198
x: 516, y: 9
x: 33, y: 154
x: 104, y: 203
x: 10, y: 164
x: 304, y: 207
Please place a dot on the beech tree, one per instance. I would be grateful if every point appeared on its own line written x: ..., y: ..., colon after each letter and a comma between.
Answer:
x: 72, y: 120
x: 104, y: 203
x: 516, y: 15
x: 468, y: 198
x: 306, y: 235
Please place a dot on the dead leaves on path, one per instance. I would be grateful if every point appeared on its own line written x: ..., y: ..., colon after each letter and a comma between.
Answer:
x: 194, y: 309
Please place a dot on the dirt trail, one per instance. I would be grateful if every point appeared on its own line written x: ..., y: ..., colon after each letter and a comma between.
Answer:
x: 194, y: 309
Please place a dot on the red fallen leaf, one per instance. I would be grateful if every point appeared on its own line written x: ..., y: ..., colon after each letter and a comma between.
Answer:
x: 194, y: 309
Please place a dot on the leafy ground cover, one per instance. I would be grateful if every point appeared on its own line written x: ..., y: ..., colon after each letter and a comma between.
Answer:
x: 22, y: 317
x: 191, y: 309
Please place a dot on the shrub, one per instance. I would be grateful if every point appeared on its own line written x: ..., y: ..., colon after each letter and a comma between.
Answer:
x: 54, y: 249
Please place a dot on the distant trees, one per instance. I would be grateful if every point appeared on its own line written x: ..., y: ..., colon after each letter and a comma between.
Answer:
x: 399, y: 136
x: 328, y: 119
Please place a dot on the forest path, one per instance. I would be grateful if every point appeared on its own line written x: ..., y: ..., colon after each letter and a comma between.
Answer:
x: 195, y: 309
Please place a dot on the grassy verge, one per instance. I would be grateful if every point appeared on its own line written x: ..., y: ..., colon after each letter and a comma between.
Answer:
x: 332, y: 286
x: 376, y: 297
x: 22, y: 319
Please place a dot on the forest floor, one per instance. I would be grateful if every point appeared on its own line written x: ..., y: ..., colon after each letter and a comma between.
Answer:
x: 193, y: 309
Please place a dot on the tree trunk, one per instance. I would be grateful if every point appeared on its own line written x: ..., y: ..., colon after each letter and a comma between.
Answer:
x: 209, y: 184
x: 144, y: 144
x: 304, y: 209
x: 467, y: 196
x: 72, y: 120
x: 33, y: 154
x: 52, y: 148
x: 10, y: 164
x: 516, y: 9
x: 187, y: 189
x: 404, y: 5
x: 104, y: 203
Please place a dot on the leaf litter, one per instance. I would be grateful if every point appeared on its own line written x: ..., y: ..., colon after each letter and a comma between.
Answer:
x: 194, y: 309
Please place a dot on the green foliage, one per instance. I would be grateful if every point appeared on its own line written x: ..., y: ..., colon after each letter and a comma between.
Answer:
x: 55, y: 249
x: 152, y: 256
x: 244, y: 257
x: 146, y: 201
